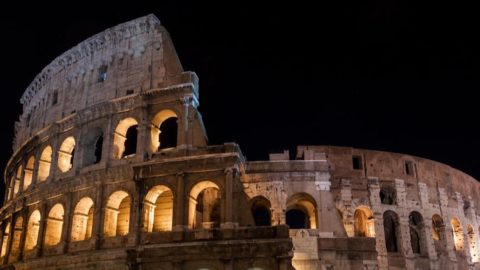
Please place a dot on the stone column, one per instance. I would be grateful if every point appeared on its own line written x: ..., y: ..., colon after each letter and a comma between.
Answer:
x: 182, y: 137
x: 67, y: 228
x: 231, y: 175
x: 10, y: 239
x: 108, y: 138
x: 443, y: 198
x: 136, y: 211
x: 346, y: 199
x: 77, y: 159
x: 54, y: 171
x: 471, y: 213
x: 41, y: 230
x: 23, y: 236
x: 427, y: 224
x: 327, y: 224
x: 142, y: 152
x: 22, y: 176
x: 374, y: 190
x: 180, y: 210
x: 98, y: 219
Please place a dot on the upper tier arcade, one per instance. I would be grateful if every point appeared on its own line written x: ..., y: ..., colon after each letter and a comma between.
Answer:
x: 131, y: 58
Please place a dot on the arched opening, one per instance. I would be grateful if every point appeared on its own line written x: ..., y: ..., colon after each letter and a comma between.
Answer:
x: 53, y: 232
x: 472, y: 241
x: 92, y: 152
x: 391, y: 228
x: 17, y: 233
x: 82, y: 220
x: 44, y: 163
x: 158, y: 213
x: 125, y: 138
x: 164, y: 130
x: 261, y: 212
x: 438, y: 234
x: 28, y: 174
x: 417, y: 233
x: 301, y: 212
x: 6, y: 233
x: 387, y: 195
x: 117, y: 214
x: 364, y: 223
x: 33, y: 228
x: 458, y: 241
x: 204, y: 206
x: 66, y: 154
x: 18, y: 179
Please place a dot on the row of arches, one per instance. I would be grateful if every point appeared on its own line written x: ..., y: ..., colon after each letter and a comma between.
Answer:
x: 163, y: 129
x: 204, y: 212
x: 418, y: 234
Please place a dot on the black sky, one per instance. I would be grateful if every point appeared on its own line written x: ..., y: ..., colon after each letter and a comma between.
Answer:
x: 399, y: 76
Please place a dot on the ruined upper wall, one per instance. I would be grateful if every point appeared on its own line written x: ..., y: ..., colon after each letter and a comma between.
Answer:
x: 127, y: 59
x: 387, y: 166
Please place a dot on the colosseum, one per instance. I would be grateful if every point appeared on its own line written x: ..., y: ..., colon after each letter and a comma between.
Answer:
x: 111, y: 169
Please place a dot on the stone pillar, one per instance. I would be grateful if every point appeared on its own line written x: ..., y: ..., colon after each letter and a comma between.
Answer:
x: 471, y: 213
x: 182, y: 137
x: 98, y: 219
x: 23, y: 236
x: 77, y: 159
x: 404, y: 225
x: 374, y: 190
x: 54, y: 171
x: 136, y: 228
x: 327, y: 224
x: 22, y: 176
x: 142, y: 152
x: 108, y: 138
x: 41, y: 230
x: 427, y: 224
x: 231, y: 176
x: 10, y: 239
x: 67, y: 228
x: 443, y: 198
x: 463, y: 223
x: 346, y: 200
x: 180, y: 210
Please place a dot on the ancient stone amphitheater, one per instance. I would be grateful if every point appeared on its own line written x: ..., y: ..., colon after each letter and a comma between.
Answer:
x: 111, y: 170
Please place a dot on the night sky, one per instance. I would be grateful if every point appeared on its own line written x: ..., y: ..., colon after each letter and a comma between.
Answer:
x: 398, y: 76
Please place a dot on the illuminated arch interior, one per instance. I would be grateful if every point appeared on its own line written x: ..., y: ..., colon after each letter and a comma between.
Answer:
x: 66, y: 154
x: 124, y: 138
x: 158, y: 209
x: 17, y: 233
x: 53, y: 232
x: 364, y: 223
x: 204, y: 205
x: 117, y: 214
x: 457, y: 234
x: 28, y: 174
x: 160, y: 134
x: 44, y: 163
x: 82, y: 220
x: 301, y: 212
x: 33, y: 227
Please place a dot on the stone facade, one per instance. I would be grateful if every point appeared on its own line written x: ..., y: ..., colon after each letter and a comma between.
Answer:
x: 112, y: 170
